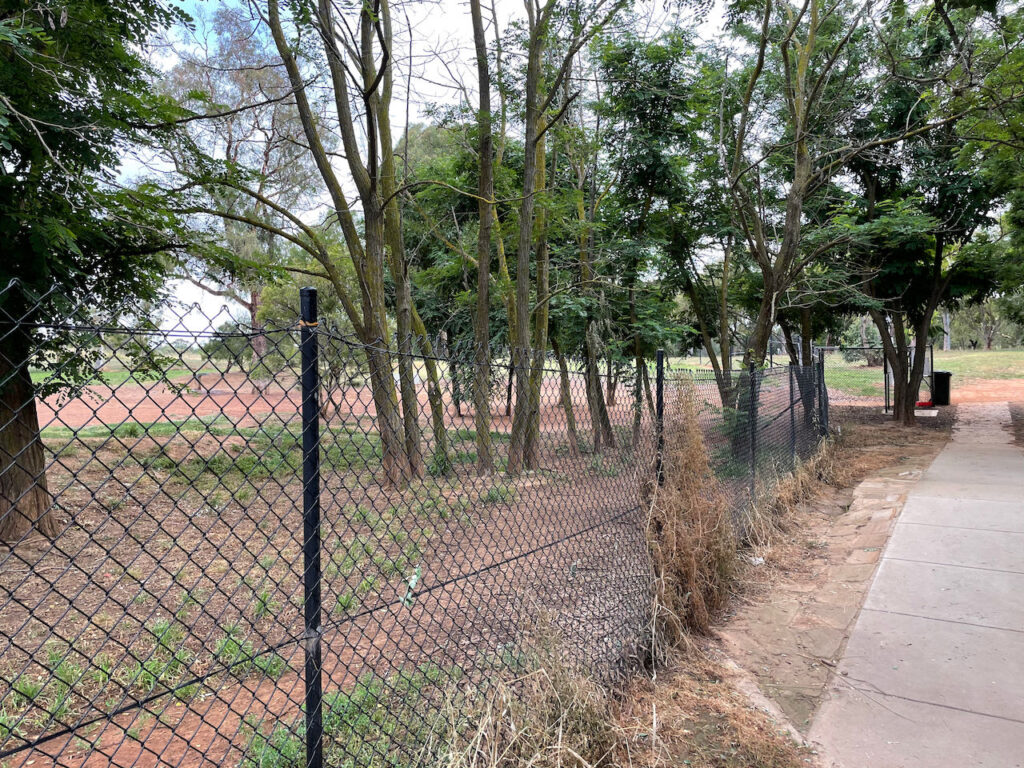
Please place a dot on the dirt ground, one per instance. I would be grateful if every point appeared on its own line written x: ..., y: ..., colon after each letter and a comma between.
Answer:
x: 171, y: 544
x: 988, y: 391
x: 142, y: 547
x: 742, y: 696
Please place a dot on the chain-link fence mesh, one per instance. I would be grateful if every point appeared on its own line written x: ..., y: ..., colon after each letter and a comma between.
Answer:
x: 855, y: 375
x: 862, y: 376
x: 229, y: 546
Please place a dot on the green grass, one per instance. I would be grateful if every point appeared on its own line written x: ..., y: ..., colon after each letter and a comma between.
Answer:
x: 27, y: 689
x: 119, y: 376
x: 496, y: 493
x: 346, y: 602
x: 213, y: 425
x: 382, y: 722
x: 239, y: 654
x: 965, y: 365
x: 264, y: 605
x: 8, y: 725
x: 266, y: 453
x: 972, y: 365
x: 469, y: 435
x: 854, y: 379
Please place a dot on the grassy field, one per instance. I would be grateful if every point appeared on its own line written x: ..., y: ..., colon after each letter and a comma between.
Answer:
x: 972, y: 365
x: 855, y: 380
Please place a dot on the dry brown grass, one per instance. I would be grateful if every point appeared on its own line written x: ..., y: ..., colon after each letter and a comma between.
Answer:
x: 689, y: 534
x: 695, y: 715
x: 549, y: 715
x: 553, y: 715
x: 775, y: 503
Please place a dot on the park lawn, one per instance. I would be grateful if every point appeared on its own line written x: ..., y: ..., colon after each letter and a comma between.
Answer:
x: 972, y: 365
x: 853, y: 379
x: 116, y: 377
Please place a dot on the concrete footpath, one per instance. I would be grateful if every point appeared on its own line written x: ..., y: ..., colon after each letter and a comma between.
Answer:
x: 933, y: 672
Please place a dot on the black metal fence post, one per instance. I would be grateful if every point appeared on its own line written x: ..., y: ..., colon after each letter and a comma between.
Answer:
x: 310, y: 376
x: 660, y: 416
x: 753, y: 428
x: 792, y: 415
x: 822, y: 394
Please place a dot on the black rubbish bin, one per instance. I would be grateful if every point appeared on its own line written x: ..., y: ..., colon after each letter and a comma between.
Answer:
x: 940, y: 387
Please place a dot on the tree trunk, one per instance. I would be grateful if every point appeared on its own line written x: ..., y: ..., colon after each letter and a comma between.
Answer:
x: 531, y: 448
x: 906, y: 377
x: 399, y: 267
x: 600, y: 422
x: 804, y: 383
x: 521, y: 353
x: 565, y: 395
x: 25, y: 502
x: 612, y: 382
x: 258, y: 343
x: 441, y: 455
x: 648, y: 393
x: 947, y: 339
x: 407, y: 377
x: 367, y: 253
x: 485, y: 191
x: 508, y: 387
x: 453, y: 372
x: 638, y: 399
x: 394, y: 440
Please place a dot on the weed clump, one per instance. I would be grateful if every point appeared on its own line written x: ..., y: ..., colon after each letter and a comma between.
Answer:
x: 690, y: 534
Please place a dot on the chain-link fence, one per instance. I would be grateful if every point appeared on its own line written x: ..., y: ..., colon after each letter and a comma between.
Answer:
x: 862, y: 375
x: 229, y: 546
x: 854, y: 375
x: 756, y: 433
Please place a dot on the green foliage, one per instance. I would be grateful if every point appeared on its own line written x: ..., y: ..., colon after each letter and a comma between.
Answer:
x: 239, y: 656
x: 381, y: 722
x: 75, y: 91
x: 499, y: 492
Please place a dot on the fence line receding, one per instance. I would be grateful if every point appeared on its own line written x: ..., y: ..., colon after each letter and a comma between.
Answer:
x: 276, y: 547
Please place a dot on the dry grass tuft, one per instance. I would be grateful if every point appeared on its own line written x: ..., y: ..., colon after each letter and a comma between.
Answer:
x: 695, y: 715
x: 777, y: 502
x: 551, y: 715
x: 689, y: 533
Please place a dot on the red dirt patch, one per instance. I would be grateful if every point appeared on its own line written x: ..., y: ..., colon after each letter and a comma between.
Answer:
x: 988, y: 391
